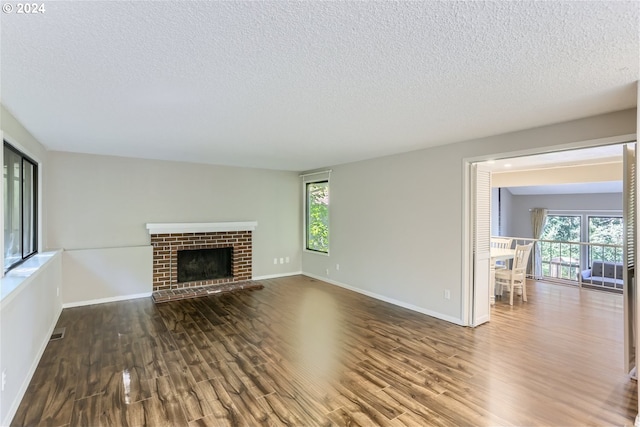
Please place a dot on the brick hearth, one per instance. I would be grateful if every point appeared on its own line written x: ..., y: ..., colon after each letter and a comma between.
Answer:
x: 203, y: 291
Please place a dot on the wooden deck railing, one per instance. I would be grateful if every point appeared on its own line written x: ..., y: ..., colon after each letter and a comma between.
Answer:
x: 565, y: 261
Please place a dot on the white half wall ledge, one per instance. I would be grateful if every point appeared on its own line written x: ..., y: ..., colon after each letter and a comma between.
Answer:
x: 200, y: 227
x: 15, y: 280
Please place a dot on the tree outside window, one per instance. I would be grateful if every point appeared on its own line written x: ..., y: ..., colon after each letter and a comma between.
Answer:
x: 562, y: 228
x: 561, y: 260
x: 317, y: 221
x: 607, y: 230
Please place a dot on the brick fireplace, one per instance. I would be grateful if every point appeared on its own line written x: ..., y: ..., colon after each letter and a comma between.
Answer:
x: 168, y: 239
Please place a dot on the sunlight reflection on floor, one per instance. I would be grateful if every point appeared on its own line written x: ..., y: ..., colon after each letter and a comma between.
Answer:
x: 318, y: 333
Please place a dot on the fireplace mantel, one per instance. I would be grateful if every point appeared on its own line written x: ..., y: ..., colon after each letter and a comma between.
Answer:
x: 200, y: 227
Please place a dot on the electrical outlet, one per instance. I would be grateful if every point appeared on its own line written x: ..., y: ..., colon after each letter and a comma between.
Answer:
x: 57, y: 292
x: 447, y: 294
x: 337, y: 266
x: 281, y: 260
x: 4, y: 378
x: 327, y: 271
x: 286, y: 260
x: 275, y: 260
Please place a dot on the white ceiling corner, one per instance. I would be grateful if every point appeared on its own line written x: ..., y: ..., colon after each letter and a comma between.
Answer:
x: 301, y: 85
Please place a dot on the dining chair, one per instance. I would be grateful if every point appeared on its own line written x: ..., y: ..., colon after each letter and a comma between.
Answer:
x: 501, y: 243
x: 516, y: 276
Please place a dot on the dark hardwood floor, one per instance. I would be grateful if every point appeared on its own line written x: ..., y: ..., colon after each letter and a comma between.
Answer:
x: 302, y: 352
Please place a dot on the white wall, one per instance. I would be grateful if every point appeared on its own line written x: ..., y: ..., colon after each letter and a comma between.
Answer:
x: 495, y: 212
x: 99, y: 202
x: 30, y: 310
x: 98, y: 275
x: 506, y: 207
x: 500, y: 208
x: 520, y: 215
x: 396, y: 222
x: 27, y: 318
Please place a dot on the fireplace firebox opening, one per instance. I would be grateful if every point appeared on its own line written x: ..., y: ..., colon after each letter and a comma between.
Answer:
x: 204, y: 264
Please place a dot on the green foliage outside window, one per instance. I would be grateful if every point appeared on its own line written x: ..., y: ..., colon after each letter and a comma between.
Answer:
x: 562, y: 258
x: 318, y: 216
x: 562, y: 228
x: 607, y: 230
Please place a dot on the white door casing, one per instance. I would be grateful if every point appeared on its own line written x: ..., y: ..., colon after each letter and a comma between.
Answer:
x: 629, y: 243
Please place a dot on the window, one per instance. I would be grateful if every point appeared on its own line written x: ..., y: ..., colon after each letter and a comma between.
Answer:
x: 561, y: 258
x: 606, y: 230
x: 20, y: 207
x: 317, y: 216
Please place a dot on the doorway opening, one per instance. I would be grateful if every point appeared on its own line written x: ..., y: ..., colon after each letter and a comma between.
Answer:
x: 579, y: 167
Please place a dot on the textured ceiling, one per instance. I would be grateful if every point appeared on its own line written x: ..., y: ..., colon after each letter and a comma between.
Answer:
x: 299, y: 85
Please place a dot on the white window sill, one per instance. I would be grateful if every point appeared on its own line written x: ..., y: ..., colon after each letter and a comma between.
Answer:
x: 16, y: 278
x: 315, y: 252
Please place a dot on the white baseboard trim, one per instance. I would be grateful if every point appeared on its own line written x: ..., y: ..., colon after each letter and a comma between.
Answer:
x: 105, y: 300
x: 637, y: 422
x: 32, y: 370
x: 275, y: 276
x: 391, y: 300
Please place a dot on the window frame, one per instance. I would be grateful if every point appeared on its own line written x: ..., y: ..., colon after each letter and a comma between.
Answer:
x: 34, y: 223
x: 305, y: 190
x: 545, y: 246
x: 585, y: 214
x: 587, y: 236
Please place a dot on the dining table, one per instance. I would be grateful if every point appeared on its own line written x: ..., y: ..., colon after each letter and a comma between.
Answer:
x: 497, y: 254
